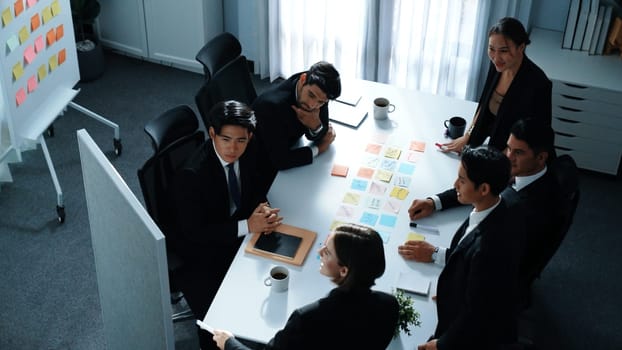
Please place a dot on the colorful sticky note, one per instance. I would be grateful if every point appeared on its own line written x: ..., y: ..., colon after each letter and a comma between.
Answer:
x: 20, y: 96
x: 60, y: 31
x: 374, y: 202
x: 393, y: 206
x: 32, y: 84
x: 335, y: 223
x: 388, y: 164
x: 414, y: 157
x: 7, y: 17
x: 47, y: 14
x: 399, y: 192
x: 352, y: 198
x: 366, y: 173
x: 371, y: 162
x: 18, y: 71
x: 39, y: 44
x: 42, y: 72
x: 402, y: 181
x: 12, y: 42
x: 31, y: 3
x: 369, y: 219
x: 388, y: 220
x: 339, y: 170
x: 384, y: 175
x: 418, y: 146
x: 377, y: 188
x: 414, y: 236
x: 35, y: 22
x: 385, y: 236
x: 53, y: 62
x: 359, y: 185
x: 373, y: 148
x: 55, y: 8
x: 18, y: 7
x: 393, y: 153
x: 407, y: 168
x: 62, y: 55
x: 50, y: 37
x: 29, y: 54
x: 24, y: 34
x: 346, y: 211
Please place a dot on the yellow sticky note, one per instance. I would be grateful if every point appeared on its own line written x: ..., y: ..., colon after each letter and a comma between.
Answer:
x: 399, y: 193
x: 42, y: 72
x: 53, y: 62
x: 55, y: 8
x: 393, y: 153
x: 47, y: 14
x: 414, y: 236
x: 24, y: 34
x: 7, y: 17
x: 336, y: 223
x: 352, y: 198
x: 384, y: 175
x: 18, y: 71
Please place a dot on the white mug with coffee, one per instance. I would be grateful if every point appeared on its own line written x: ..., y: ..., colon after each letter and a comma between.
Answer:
x: 278, y: 279
x: 382, y: 108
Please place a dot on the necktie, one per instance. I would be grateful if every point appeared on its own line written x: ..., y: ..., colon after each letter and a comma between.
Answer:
x: 234, y: 191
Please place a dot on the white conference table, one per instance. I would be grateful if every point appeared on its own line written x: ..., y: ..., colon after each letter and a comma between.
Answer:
x: 310, y: 197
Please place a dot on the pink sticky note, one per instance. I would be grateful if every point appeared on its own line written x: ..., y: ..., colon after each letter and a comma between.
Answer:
x: 29, y: 54
x: 39, y: 44
x: 31, y: 3
x: 32, y: 83
x: 20, y: 96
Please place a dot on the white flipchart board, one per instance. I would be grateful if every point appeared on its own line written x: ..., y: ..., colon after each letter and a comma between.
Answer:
x: 38, y: 65
x: 130, y: 258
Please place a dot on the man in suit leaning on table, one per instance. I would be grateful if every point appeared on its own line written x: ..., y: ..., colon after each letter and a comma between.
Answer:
x: 295, y: 107
x: 220, y: 196
x: 534, y: 192
x: 476, y: 291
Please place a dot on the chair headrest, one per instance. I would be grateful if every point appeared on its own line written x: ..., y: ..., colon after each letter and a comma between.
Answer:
x: 171, y: 125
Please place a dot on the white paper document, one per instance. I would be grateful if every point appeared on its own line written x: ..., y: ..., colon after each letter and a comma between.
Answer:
x: 414, y: 282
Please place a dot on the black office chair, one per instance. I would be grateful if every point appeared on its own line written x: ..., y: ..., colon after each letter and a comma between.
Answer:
x: 174, y: 135
x: 217, y: 52
x: 231, y: 82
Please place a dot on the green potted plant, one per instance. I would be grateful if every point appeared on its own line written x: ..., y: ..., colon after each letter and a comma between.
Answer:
x: 408, y: 315
x: 90, y: 53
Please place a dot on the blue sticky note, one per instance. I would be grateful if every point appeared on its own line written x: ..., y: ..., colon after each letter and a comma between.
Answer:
x: 369, y: 219
x: 12, y: 42
x: 388, y: 220
x: 407, y: 168
x: 388, y: 164
x: 385, y: 236
x: 358, y: 184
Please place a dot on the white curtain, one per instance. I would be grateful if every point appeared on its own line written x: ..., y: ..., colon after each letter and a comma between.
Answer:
x: 437, y: 46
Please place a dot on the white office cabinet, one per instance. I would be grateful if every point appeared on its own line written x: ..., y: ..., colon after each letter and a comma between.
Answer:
x: 587, y: 101
x: 164, y: 31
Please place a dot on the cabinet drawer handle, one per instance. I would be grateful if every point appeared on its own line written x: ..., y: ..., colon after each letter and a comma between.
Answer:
x: 573, y: 97
x: 575, y: 86
x: 563, y: 148
x: 570, y: 109
x: 564, y: 134
x: 567, y: 120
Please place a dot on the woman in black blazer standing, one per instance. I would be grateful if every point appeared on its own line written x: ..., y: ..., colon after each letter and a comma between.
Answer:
x: 516, y: 88
x: 352, y: 316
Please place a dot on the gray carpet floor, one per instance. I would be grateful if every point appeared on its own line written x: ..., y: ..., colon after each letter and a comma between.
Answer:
x: 48, y: 289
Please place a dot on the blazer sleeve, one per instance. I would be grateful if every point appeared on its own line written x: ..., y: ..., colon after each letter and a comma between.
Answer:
x: 449, y: 199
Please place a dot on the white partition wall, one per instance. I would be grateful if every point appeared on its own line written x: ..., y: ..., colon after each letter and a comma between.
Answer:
x: 130, y: 258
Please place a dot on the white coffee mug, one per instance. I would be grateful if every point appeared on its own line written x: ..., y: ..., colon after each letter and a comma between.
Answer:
x: 382, y: 108
x: 278, y: 279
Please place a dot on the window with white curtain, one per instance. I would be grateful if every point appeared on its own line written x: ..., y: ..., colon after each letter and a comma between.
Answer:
x: 426, y: 45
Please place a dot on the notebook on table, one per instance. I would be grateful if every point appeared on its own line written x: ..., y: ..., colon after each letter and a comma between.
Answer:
x: 342, y: 113
x: 287, y: 244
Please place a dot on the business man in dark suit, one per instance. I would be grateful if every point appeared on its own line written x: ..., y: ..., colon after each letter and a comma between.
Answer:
x: 298, y: 106
x: 476, y: 302
x: 534, y: 192
x: 220, y: 196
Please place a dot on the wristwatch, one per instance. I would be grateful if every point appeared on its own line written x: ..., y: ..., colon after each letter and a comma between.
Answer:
x: 318, y: 130
x: 435, y: 254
